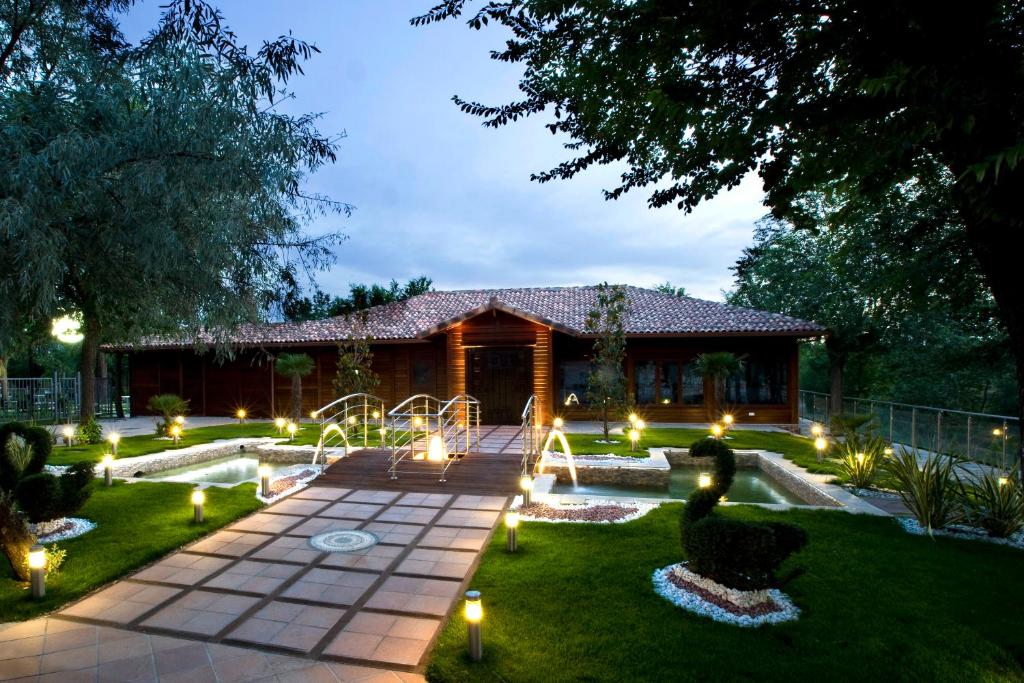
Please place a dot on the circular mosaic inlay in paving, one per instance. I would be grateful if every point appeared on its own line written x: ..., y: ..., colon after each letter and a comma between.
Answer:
x: 347, y: 541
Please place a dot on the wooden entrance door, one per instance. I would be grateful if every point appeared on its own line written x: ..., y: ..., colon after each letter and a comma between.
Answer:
x: 502, y: 380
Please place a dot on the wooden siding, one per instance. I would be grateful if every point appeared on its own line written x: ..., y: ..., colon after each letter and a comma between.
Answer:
x: 456, y: 364
x: 543, y: 374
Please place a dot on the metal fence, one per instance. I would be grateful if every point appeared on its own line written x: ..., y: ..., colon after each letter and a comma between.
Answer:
x: 991, y: 439
x: 53, y: 399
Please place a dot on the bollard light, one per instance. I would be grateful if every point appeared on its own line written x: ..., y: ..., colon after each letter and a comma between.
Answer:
x: 704, y: 480
x: 526, y: 484
x: 634, y: 438
x: 1003, y: 481
x: 69, y: 435
x: 37, y: 570
x: 376, y: 414
x: 860, y: 458
x: 108, y: 469
x: 292, y: 428
x: 240, y: 414
x: 512, y: 528
x: 728, y: 419
x: 887, y: 450
x: 817, y: 430
x: 280, y: 423
x: 313, y: 414
x: 264, y: 473
x: 641, y: 425
x: 474, y: 612
x: 820, y: 444
x: 352, y: 419
x: 179, y: 420
x: 558, y: 422
x: 633, y: 418
x: 114, y: 438
x: 176, y: 433
x: 198, y: 499
x: 716, y: 430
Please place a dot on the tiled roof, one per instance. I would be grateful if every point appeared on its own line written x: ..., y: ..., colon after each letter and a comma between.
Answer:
x: 563, y: 308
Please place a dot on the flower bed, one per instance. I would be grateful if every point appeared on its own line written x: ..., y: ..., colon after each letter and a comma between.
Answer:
x: 968, y: 533
x: 705, y: 597
x: 63, y: 529
x: 589, y: 513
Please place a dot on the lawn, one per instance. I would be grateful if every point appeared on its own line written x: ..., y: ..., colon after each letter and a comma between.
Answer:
x: 576, y: 603
x: 796, y: 448
x: 136, y: 524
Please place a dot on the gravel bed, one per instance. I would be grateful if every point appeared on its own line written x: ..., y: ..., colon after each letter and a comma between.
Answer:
x: 967, y: 533
x: 589, y: 513
x: 705, y: 597
x: 295, y: 478
x: 69, y: 527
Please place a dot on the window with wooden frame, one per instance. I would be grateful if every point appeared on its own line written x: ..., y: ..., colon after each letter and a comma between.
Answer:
x: 659, y: 382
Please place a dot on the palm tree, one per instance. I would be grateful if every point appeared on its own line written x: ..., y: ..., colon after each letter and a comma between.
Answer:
x: 296, y: 366
x: 715, y: 368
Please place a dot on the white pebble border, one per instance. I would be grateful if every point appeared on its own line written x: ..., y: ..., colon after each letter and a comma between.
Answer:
x: 79, y: 526
x: 642, y: 509
x: 881, y: 494
x: 297, y: 486
x: 698, y: 605
x: 967, y: 533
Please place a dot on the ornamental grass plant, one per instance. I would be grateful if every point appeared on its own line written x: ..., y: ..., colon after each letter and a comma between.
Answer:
x: 929, y: 487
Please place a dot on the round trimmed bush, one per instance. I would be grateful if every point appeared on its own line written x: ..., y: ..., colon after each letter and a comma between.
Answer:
x: 708, y: 447
x: 39, y: 497
x: 41, y: 444
x: 76, y: 487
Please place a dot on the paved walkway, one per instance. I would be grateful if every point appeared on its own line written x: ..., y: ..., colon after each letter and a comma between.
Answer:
x: 255, y: 601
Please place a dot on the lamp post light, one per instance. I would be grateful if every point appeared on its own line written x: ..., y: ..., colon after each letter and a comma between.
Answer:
x: 37, y: 570
x: 633, y: 417
x: 728, y: 419
x: 640, y: 425
x: 292, y: 428
x: 820, y: 444
x: 512, y: 527
x: 179, y: 420
x: 634, y: 438
x: 716, y: 430
x: 240, y: 414
x: 108, y: 469
x: 198, y: 499
x: 280, y: 423
x: 114, y: 438
x: 69, y: 435
x: 264, y: 473
x: 175, y: 433
x: 704, y: 480
x: 474, y: 612
x: 557, y: 423
x: 526, y: 484
x: 817, y: 430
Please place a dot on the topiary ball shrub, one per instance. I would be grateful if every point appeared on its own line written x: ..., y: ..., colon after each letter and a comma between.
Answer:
x: 37, y: 439
x: 39, y: 497
x: 708, y: 447
x: 76, y: 487
x: 737, y: 554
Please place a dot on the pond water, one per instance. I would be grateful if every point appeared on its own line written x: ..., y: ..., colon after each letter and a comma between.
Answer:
x: 749, y: 486
x: 230, y: 469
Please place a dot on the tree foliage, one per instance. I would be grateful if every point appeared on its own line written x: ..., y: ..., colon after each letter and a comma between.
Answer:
x: 295, y: 366
x: 606, y: 383
x: 320, y: 305
x: 355, y: 373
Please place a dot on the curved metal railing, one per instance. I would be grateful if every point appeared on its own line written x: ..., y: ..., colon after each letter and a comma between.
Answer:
x: 531, y: 434
x: 357, y: 417
x: 424, y: 427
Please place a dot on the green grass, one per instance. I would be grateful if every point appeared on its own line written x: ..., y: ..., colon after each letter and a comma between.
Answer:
x: 796, y: 448
x: 576, y: 603
x: 136, y: 524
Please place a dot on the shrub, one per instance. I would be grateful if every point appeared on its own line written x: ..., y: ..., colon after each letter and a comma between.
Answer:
x: 708, y: 447
x: 743, y: 555
x: 860, y: 457
x: 24, y: 455
x: 39, y: 497
x: 76, y: 487
x: 167, y: 406
x: 15, y: 538
x: 932, y: 490
x: 90, y: 432
x: 996, y: 504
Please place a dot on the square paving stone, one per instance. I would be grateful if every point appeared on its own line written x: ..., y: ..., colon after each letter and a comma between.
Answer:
x: 263, y: 522
x: 428, y: 500
x: 201, y: 612
x: 288, y: 549
x: 121, y: 603
x: 351, y: 510
x: 183, y: 569
x: 468, y: 502
x: 369, y: 496
x: 331, y: 586
x: 321, y: 493
x: 407, y: 515
x: 375, y: 558
x: 296, y: 506
x: 482, y: 519
x: 297, y: 627
x: 454, y: 538
x: 249, y: 576
x: 395, y: 534
x: 384, y: 638
x: 229, y: 543
x: 318, y: 525
x: 414, y: 595
x: 447, y: 564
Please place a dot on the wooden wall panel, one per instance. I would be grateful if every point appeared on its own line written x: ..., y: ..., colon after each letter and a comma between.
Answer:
x: 456, y: 362
x: 497, y: 328
x: 543, y: 376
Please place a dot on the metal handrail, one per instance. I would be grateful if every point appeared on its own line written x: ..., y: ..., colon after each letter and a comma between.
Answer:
x: 358, y: 410
x: 911, y: 405
x: 531, y: 434
x: 422, y: 423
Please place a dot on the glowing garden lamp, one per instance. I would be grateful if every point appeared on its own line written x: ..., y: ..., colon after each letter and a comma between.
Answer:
x: 728, y: 420
x: 997, y: 432
x: 704, y: 480
x: 175, y: 433
x: 264, y: 474
x: 817, y: 430
x: 633, y: 417
x: 240, y: 414
x: 108, y: 469
x: 512, y: 528
x: 179, y: 420
x: 280, y: 423
x: 860, y: 458
x: 69, y: 435
x: 353, y: 419
x: 1003, y: 481
x: 114, y: 438
x: 292, y: 428
x: 526, y: 484
x: 887, y: 450
x: 634, y: 438
x: 640, y: 425
x: 313, y: 414
x: 37, y: 570
x: 716, y: 430
x: 820, y: 444
x: 557, y: 423
x: 198, y: 500
x: 376, y: 415
x: 474, y: 611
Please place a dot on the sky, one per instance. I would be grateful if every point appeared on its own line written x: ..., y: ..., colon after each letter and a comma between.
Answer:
x: 436, y: 193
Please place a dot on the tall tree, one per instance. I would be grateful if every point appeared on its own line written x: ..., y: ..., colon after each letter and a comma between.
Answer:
x: 355, y: 373
x: 297, y: 307
x: 295, y: 366
x: 606, y: 383
x: 851, y: 97
x: 153, y: 188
